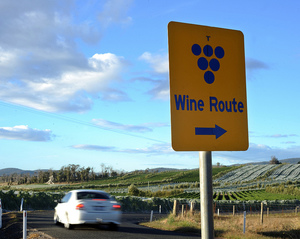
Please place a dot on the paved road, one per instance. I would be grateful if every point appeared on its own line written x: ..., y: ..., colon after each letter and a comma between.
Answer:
x: 43, y: 221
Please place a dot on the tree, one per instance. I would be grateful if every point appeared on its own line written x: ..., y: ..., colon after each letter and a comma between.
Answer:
x: 274, y: 160
x: 73, y: 171
x: 93, y: 174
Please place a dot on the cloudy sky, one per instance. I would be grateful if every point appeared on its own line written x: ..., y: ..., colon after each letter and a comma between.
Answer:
x: 87, y: 82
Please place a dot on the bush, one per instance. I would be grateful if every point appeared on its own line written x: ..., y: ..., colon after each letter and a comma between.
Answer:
x: 133, y: 190
x: 38, y: 201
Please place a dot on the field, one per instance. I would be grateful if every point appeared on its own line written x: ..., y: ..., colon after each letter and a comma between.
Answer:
x: 274, y: 172
x: 234, y: 183
x: 274, y: 226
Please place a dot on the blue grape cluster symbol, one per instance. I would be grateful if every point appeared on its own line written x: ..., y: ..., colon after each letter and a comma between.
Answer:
x: 206, y: 63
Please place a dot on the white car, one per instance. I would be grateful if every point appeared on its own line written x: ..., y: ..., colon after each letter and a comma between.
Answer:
x: 87, y: 207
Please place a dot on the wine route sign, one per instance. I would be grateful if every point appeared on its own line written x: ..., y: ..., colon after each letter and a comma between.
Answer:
x: 207, y: 88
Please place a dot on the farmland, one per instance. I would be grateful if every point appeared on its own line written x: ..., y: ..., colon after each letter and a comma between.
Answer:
x: 258, y: 195
x: 235, y: 183
x: 281, y: 172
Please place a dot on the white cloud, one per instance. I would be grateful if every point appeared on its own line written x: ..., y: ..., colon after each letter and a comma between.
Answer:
x: 256, y: 153
x: 253, y: 64
x: 162, y: 148
x: 23, y: 132
x: 93, y: 147
x: 159, y: 149
x: 161, y: 90
x: 282, y: 135
x: 114, y: 11
x: 69, y: 91
x: 113, y: 125
x: 40, y: 62
x: 159, y: 63
x: 142, y: 128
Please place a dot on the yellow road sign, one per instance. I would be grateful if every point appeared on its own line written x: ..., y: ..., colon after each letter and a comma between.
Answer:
x: 207, y: 88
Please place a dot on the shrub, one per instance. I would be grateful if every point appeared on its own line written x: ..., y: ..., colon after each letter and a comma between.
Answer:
x: 133, y: 190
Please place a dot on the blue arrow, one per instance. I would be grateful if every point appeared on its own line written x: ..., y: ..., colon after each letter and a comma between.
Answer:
x: 217, y: 131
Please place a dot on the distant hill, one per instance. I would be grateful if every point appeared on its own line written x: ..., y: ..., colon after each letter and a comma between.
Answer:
x: 158, y: 170
x: 9, y: 171
x: 289, y: 160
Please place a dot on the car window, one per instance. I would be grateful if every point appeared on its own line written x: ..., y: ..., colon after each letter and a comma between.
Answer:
x: 66, y: 198
x: 91, y: 195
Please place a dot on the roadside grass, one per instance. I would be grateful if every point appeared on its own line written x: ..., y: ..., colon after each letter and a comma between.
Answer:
x: 274, y: 225
x: 188, y: 224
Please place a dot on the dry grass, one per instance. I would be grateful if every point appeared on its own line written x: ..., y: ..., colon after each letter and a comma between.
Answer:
x: 274, y: 225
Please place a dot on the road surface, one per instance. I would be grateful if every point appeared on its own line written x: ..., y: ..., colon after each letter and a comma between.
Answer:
x: 43, y: 222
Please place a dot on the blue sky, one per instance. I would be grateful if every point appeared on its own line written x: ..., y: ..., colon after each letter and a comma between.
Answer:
x: 87, y: 82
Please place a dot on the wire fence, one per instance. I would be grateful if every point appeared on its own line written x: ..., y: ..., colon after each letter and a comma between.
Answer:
x: 165, y: 205
x: 239, y: 208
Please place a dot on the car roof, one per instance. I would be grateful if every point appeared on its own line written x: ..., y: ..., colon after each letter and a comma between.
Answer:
x: 88, y: 190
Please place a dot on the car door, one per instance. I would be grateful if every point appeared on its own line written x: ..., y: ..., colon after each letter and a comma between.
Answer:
x: 61, y: 208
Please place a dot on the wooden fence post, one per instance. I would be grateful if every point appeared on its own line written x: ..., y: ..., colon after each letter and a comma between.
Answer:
x: 192, y: 207
x: 244, y: 228
x: 175, y: 208
x: 262, y: 213
x: 233, y: 210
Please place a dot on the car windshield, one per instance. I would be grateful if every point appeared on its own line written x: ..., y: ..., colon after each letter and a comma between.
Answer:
x: 91, y: 195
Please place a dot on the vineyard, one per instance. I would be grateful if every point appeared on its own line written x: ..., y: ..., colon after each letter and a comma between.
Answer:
x: 258, y: 195
x: 254, y: 182
x: 281, y: 172
x: 233, y: 183
x: 286, y: 172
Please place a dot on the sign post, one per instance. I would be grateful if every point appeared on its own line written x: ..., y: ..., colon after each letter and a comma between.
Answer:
x: 208, y: 99
x: 0, y: 214
x: 206, y: 195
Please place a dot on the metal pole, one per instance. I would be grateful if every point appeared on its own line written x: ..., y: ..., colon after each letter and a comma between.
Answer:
x: 24, y: 224
x: 0, y: 214
x: 206, y: 195
x: 21, y: 207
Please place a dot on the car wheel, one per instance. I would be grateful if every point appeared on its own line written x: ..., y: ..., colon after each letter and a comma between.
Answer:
x: 67, y: 224
x: 56, y: 219
x: 113, y: 227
